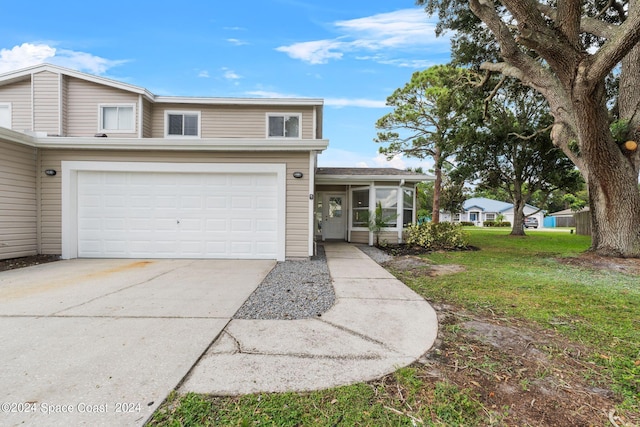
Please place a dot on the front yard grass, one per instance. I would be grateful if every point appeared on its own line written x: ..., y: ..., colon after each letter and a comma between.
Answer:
x: 585, y: 321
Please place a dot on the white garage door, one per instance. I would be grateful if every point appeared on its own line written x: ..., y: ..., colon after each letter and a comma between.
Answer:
x: 177, y: 215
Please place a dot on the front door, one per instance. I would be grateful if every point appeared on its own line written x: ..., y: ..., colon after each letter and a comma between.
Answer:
x: 333, y: 216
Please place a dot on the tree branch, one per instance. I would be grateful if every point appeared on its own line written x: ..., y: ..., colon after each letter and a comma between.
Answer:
x: 587, y: 24
x: 623, y: 39
x: 533, y: 135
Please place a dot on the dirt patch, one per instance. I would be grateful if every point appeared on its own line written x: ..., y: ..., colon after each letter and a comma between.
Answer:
x: 521, y: 375
x: 597, y: 262
x: 422, y: 266
x: 27, y: 261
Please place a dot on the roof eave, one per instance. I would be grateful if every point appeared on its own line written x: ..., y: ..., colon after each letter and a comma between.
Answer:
x: 166, y: 144
x: 343, y: 179
x: 312, y: 102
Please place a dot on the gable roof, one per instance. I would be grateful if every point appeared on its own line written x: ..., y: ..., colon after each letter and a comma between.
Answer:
x: 486, y: 205
x: 27, y: 72
x: 489, y: 205
x: 369, y: 174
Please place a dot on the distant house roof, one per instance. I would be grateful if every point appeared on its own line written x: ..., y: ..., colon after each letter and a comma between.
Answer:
x: 486, y: 205
x: 569, y: 212
x: 369, y: 174
x: 489, y: 205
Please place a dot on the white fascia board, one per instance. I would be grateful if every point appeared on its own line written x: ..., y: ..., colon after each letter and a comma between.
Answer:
x: 168, y: 144
x: 364, y: 179
x: 239, y: 101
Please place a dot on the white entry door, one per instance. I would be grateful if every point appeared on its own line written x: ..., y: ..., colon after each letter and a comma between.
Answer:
x: 334, y: 216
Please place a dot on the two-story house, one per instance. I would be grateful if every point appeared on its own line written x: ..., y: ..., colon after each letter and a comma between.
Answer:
x: 92, y: 167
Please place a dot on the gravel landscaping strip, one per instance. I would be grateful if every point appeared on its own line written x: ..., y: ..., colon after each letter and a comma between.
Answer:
x: 376, y: 254
x: 292, y: 290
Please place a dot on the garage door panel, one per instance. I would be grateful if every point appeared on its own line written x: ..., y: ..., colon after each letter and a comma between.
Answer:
x: 182, y: 215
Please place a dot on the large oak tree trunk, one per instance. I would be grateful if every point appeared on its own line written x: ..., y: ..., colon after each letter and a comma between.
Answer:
x: 612, y: 180
x: 518, y: 212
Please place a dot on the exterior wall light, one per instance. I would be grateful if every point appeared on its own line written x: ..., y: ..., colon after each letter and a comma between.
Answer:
x: 50, y: 172
x: 298, y: 174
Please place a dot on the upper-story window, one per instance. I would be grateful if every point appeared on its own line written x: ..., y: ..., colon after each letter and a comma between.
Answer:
x: 182, y: 123
x: 117, y: 118
x: 283, y: 125
x: 5, y: 115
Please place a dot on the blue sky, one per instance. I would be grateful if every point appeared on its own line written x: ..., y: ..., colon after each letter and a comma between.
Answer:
x: 353, y: 54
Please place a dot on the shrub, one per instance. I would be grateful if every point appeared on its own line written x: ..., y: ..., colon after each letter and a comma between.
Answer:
x: 444, y: 235
x: 467, y: 224
x: 496, y: 224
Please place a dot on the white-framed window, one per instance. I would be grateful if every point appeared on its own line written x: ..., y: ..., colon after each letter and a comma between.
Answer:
x: 387, y: 199
x: 490, y: 217
x: 456, y: 217
x: 283, y: 125
x: 360, y: 207
x: 182, y: 124
x: 407, y: 207
x: 5, y: 115
x: 117, y: 118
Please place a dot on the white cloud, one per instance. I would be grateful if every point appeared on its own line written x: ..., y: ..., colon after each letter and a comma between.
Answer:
x: 204, y: 74
x: 28, y: 54
x: 269, y: 94
x: 315, y: 52
x: 385, y: 34
x: 230, y: 74
x: 237, y: 42
x: 346, y: 102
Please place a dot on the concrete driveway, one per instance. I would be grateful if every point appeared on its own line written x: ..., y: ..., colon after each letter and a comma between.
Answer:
x: 102, y: 342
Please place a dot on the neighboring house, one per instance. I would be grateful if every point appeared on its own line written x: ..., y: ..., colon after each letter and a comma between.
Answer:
x: 479, y: 209
x: 92, y: 167
x: 563, y: 218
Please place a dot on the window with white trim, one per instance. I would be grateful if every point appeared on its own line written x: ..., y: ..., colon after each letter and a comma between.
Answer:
x: 490, y: 217
x: 407, y: 208
x: 387, y: 199
x: 5, y: 115
x: 117, y: 118
x: 182, y: 124
x: 283, y: 125
x: 456, y: 217
x: 360, y: 208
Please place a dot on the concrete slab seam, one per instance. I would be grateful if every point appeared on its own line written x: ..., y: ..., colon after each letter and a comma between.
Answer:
x: 357, y: 334
x: 119, y: 290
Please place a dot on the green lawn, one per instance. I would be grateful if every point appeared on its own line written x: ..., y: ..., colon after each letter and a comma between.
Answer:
x: 522, y: 277
x: 519, y: 278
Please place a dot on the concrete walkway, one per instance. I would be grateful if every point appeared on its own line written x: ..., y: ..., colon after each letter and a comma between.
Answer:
x: 376, y: 326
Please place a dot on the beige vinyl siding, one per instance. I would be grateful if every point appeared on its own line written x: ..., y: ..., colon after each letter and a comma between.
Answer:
x: 18, y: 94
x: 83, y: 101
x: 147, y: 119
x: 18, y: 212
x: 360, y: 237
x: 297, y: 193
x: 232, y: 121
x: 46, y: 101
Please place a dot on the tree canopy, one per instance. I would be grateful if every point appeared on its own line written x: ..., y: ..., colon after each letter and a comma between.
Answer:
x: 567, y: 51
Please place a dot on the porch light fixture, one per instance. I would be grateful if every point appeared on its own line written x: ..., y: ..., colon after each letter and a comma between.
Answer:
x: 298, y: 174
x: 50, y: 172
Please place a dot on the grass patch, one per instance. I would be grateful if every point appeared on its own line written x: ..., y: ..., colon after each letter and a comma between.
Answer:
x: 521, y: 277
